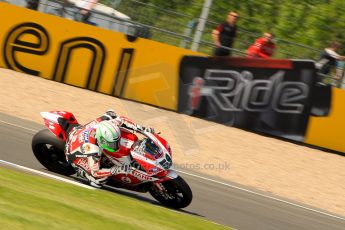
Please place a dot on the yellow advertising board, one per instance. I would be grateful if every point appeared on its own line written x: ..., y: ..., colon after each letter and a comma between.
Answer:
x: 89, y: 57
x: 328, y: 132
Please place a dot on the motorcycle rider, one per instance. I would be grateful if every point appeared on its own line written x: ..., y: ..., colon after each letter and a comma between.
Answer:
x: 329, y: 58
x: 86, y: 145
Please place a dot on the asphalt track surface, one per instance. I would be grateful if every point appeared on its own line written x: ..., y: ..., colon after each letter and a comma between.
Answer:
x: 223, y: 203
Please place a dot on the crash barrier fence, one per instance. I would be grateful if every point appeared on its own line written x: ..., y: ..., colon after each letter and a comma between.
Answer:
x: 68, y: 9
x: 145, y: 13
x: 122, y: 23
x: 278, y: 97
x: 183, y: 39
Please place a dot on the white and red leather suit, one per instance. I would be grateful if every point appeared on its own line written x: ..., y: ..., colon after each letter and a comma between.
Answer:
x: 86, y: 155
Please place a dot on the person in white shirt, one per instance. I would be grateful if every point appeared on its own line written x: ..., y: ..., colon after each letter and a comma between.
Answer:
x: 329, y: 58
x: 32, y: 4
x: 85, y: 7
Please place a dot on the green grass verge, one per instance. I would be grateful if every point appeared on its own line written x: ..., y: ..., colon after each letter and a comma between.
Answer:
x: 33, y: 202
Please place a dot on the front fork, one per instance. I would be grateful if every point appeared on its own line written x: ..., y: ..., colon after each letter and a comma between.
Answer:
x: 171, y: 175
x: 159, y: 187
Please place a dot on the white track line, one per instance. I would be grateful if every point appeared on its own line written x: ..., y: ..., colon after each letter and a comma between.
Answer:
x: 262, y: 195
x: 46, y: 174
x: 225, y: 184
x: 18, y: 126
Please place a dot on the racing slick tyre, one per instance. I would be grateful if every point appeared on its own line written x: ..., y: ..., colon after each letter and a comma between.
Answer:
x: 49, y: 151
x: 177, y: 193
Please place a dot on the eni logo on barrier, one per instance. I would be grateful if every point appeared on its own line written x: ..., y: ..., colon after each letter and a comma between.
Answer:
x: 40, y: 44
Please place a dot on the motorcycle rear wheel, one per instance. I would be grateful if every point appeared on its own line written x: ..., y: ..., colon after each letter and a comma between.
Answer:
x: 49, y: 151
x: 177, y: 195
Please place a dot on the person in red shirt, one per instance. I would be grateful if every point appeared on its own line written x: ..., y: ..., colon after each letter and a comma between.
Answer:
x: 263, y: 47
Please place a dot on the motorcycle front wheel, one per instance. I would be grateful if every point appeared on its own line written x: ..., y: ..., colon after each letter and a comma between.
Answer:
x: 177, y: 193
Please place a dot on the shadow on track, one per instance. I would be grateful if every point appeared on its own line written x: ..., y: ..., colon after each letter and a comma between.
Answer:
x: 135, y: 195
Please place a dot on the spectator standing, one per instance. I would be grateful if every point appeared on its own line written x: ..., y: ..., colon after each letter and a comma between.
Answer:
x: 224, y: 34
x: 32, y: 4
x: 85, y: 9
x: 263, y: 47
x: 329, y: 58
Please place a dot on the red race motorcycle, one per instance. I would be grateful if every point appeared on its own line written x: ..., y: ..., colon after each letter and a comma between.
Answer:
x: 149, y: 173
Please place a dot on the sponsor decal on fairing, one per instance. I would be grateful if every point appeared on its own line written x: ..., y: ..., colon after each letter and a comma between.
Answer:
x: 142, y: 176
x: 86, y: 136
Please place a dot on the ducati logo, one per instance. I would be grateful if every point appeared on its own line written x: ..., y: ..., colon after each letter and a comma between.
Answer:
x: 126, y: 180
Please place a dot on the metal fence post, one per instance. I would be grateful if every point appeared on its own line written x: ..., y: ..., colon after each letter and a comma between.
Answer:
x: 201, y: 25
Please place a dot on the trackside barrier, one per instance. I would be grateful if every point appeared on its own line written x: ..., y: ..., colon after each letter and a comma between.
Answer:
x: 276, y: 97
x: 328, y: 132
x: 89, y: 57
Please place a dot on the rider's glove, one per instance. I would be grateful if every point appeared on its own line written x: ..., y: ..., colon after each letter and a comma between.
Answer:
x: 149, y: 130
x: 111, y: 113
x: 143, y: 129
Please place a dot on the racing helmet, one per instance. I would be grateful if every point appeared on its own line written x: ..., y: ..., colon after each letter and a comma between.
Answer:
x: 108, y: 136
